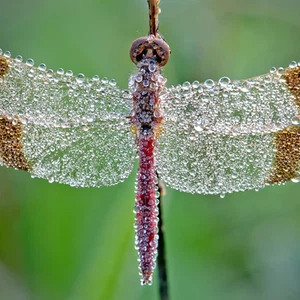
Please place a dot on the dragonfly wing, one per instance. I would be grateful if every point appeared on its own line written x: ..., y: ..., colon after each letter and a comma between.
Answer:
x: 64, y: 128
x: 221, y: 137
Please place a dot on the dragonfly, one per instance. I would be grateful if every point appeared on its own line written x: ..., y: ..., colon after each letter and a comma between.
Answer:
x: 215, y: 137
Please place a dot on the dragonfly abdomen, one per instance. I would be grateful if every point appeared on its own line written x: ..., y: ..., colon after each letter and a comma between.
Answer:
x: 146, y: 206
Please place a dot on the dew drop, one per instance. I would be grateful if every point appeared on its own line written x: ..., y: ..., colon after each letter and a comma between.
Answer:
x: 152, y: 85
x: 293, y: 64
x: 280, y: 71
x: 60, y: 71
x: 209, y: 83
x: 50, y: 73
x: 152, y: 67
x: 244, y: 87
x: 69, y: 73
x: 42, y: 67
x: 80, y: 78
x: 14, y: 122
x: 139, y: 78
x: 96, y: 78
x: 104, y: 80
x: 186, y: 85
x: 224, y: 81
x: 295, y: 179
x: 295, y: 120
x: 195, y: 84
x: 112, y: 82
x: 19, y: 58
x: 30, y: 62
x: 7, y: 54
x: 146, y: 83
x: 90, y: 118
x: 153, y: 244
x: 198, y: 128
x: 135, y: 209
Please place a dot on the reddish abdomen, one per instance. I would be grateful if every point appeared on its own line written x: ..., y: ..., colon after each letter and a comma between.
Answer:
x: 146, y: 211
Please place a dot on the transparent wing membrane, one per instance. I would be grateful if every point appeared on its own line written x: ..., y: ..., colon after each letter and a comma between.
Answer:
x: 214, y: 164
x: 258, y: 105
x: 75, y: 130
x: 218, y: 137
x: 93, y: 156
x: 44, y: 97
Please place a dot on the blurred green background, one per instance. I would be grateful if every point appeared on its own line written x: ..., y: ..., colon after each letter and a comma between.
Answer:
x: 63, y: 243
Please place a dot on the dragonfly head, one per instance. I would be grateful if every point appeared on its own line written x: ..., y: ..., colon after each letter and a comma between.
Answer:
x: 150, y: 47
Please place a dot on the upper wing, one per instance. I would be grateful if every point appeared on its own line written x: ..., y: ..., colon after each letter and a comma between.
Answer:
x: 63, y: 128
x: 224, y: 136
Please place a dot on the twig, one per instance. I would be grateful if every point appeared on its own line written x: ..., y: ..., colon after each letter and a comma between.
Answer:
x: 161, y: 259
x: 154, y: 10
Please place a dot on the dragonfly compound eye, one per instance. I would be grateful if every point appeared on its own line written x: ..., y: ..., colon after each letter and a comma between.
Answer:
x: 150, y: 47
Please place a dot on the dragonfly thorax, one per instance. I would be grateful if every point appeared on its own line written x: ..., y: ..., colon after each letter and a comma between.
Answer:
x: 149, y: 54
